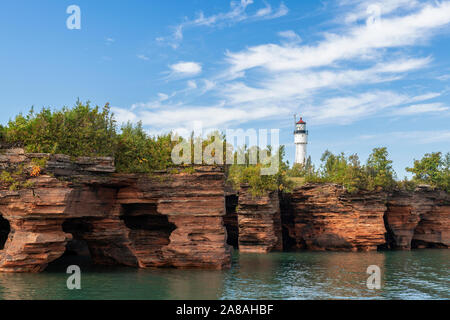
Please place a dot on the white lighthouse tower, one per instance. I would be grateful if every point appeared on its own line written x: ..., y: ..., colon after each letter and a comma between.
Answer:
x: 300, y: 140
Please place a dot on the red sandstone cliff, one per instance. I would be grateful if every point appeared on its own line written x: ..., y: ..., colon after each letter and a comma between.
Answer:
x: 181, y: 220
x: 418, y: 219
x: 259, y: 222
x: 136, y: 220
x: 326, y: 217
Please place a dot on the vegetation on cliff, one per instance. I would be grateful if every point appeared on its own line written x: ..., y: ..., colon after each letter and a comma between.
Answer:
x: 250, y: 174
x: 92, y: 131
x: 432, y: 169
x: 376, y: 174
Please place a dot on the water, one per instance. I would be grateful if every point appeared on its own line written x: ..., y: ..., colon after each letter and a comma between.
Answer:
x: 419, y: 274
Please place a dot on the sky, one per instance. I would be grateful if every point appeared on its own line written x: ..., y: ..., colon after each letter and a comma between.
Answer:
x: 362, y: 74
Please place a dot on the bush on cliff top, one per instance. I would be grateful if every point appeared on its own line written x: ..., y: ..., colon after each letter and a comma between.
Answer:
x: 250, y: 174
x: 88, y: 131
x: 80, y: 131
x: 432, y: 169
x: 348, y: 171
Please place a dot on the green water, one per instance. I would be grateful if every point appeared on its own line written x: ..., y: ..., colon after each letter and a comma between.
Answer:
x: 419, y: 274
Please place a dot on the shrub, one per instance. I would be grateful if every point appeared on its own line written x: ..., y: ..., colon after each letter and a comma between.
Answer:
x: 432, y: 169
x: 139, y: 153
x: 80, y: 131
x: 250, y: 174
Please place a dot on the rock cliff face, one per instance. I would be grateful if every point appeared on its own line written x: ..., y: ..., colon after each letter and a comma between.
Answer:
x: 418, y: 219
x: 259, y: 222
x: 136, y: 220
x: 191, y: 220
x: 325, y: 217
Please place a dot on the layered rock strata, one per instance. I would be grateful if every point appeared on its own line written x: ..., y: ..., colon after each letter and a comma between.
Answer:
x: 418, y: 219
x: 259, y: 222
x: 162, y: 220
x: 326, y: 217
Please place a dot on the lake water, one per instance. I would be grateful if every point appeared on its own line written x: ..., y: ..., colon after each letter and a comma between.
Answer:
x: 419, y: 274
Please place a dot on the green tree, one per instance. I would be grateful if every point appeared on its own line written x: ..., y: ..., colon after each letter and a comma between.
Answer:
x: 379, y: 170
x: 432, y: 169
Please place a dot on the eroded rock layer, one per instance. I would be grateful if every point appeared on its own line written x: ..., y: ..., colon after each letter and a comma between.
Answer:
x: 259, y: 222
x: 173, y: 220
x: 418, y: 219
x: 326, y: 217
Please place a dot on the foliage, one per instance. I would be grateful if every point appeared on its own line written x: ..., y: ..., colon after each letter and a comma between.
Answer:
x: 139, y: 153
x: 80, y: 131
x: 348, y: 171
x: 2, y: 134
x: 432, y: 169
x: 15, y: 180
x: 250, y: 174
x: 379, y: 170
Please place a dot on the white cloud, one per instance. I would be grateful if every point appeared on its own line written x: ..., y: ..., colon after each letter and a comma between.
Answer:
x: 186, y: 68
x: 296, y: 85
x: 163, y: 96
x: 166, y: 118
x: 143, y: 57
x: 270, y: 81
x: 444, y: 77
x: 362, y: 7
x: 123, y: 115
x: 192, y: 84
x: 356, y: 42
x: 290, y: 36
x: 422, y: 108
x: 237, y: 13
x: 414, y: 137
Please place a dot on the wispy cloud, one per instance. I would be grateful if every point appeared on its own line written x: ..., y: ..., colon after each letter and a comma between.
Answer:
x: 416, y: 137
x: 143, y: 57
x: 109, y: 41
x: 236, y: 14
x: 422, y: 108
x: 335, y: 79
x: 290, y: 37
x: 185, y: 69
x: 358, y: 41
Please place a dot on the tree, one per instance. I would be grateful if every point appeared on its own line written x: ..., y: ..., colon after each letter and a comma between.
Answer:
x: 432, y: 169
x: 379, y: 170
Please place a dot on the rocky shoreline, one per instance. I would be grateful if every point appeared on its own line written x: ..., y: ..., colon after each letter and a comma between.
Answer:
x: 193, y: 220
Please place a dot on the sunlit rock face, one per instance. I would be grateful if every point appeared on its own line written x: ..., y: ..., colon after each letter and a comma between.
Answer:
x: 418, y: 219
x: 163, y: 220
x: 259, y: 222
x: 326, y: 217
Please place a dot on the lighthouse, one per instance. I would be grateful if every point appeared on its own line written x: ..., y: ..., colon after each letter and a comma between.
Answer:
x: 300, y: 140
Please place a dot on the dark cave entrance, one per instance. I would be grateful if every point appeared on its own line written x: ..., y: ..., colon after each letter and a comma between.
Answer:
x: 4, y: 231
x: 231, y: 220
x: 77, y: 250
x: 149, y: 230
x: 287, y: 222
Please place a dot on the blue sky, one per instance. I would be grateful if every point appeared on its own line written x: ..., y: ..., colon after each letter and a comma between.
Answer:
x: 362, y: 73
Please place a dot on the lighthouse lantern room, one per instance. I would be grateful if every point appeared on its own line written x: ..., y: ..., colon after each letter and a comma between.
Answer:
x: 300, y: 140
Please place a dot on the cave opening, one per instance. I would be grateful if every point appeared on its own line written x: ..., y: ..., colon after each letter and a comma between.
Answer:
x: 389, y: 234
x: 77, y: 250
x: 5, y: 229
x: 287, y: 222
x: 149, y: 230
x: 231, y: 220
